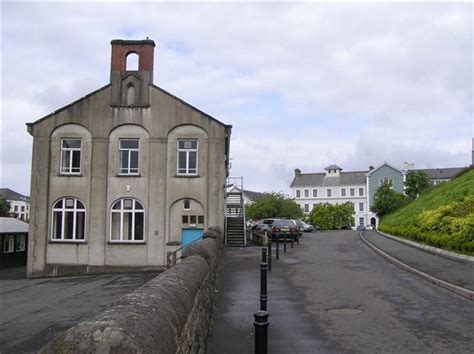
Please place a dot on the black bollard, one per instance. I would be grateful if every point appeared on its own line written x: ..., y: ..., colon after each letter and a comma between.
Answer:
x: 261, y: 332
x: 298, y: 239
x: 284, y: 244
x: 292, y: 239
x: 263, y: 281
x: 277, y: 248
x: 269, y: 246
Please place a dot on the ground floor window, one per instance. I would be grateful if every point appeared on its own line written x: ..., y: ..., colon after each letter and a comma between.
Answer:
x: 9, y: 244
x: 127, y: 221
x: 69, y: 219
x: 20, y: 243
x: 361, y: 221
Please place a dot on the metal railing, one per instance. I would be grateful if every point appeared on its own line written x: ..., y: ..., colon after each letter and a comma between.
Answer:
x: 172, y: 257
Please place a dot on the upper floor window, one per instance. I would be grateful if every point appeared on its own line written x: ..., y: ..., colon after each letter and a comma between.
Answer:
x: 329, y: 192
x: 352, y: 191
x: 71, y: 156
x: 187, y: 157
x: 127, y: 221
x: 361, y: 206
x: 187, y: 204
x: 306, y: 208
x: 386, y: 180
x: 361, y: 192
x: 69, y: 219
x: 306, y: 193
x: 298, y: 193
x: 315, y: 193
x: 128, y: 151
x: 343, y: 192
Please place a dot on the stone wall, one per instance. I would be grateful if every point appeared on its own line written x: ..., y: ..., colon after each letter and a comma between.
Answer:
x: 169, y: 314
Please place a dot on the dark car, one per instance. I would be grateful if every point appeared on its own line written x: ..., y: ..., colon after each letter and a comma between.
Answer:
x: 285, y: 229
x: 360, y: 228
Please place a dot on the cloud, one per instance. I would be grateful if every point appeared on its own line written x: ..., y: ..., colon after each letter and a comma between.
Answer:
x: 304, y: 85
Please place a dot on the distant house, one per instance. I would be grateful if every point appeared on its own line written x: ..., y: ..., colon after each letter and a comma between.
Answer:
x: 19, y: 203
x: 249, y: 196
x: 13, y: 242
x: 438, y: 175
x: 334, y: 187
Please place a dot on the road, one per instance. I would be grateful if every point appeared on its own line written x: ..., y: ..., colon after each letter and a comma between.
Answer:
x: 332, y: 294
x: 34, y: 310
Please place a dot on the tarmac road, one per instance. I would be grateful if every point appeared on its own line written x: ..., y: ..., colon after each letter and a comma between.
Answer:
x: 332, y: 294
x: 32, y: 311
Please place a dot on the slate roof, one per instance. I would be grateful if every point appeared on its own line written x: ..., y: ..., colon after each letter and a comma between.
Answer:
x: 441, y: 173
x: 320, y: 179
x: 9, y: 194
x: 253, y: 196
x: 12, y: 225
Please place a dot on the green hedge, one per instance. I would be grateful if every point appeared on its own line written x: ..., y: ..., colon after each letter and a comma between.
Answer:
x: 443, y: 216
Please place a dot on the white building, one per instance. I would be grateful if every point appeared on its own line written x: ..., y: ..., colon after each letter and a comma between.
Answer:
x: 19, y: 204
x: 333, y: 187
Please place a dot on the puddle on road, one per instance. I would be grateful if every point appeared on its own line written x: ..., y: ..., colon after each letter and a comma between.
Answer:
x: 345, y: 311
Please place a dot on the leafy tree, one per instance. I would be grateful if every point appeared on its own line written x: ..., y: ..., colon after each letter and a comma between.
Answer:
x: 416, y: 182
x: 4, y: 207
x: 273, y: 205
x: 387, y: 200
x: 332, y: 216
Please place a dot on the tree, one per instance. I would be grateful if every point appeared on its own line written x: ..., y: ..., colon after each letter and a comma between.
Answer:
x: 416, y: 182
x: 387, y: 200
x: 4, y: 207
x: 273, y: 205
x: 332, y: 216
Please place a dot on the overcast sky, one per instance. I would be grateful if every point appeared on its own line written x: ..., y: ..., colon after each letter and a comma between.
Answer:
x: 304, y: 85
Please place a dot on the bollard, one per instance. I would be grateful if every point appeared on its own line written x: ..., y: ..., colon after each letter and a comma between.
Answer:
x: 284, y: 244
x: 269, y: 246
x: 298, y: 239
x: 292, y: 240
x: 277, y: 248
x: 261, y: 332
x: 263, y: 281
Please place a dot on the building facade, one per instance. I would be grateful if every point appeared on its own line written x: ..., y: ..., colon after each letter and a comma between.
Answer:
x: 13, y: 242
x: 19, y: 203
x: 124, y: 175
x: 334, y: 187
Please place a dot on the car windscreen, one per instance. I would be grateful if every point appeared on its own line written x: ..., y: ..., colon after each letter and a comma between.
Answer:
x: 284, y: 223
x: 268, y: 221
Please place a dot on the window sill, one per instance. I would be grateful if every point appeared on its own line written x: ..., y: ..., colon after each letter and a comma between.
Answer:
x: 186, y: 176
x: 173, y: 243
x: 68, y: 241
x: 121, y: 175
x: 70, y: 175
x: 126, y: 242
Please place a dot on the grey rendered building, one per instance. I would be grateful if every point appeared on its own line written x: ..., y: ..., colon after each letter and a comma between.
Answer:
x: 123, y: 175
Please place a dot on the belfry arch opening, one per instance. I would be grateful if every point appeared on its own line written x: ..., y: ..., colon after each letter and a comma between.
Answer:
x: 132, y: 62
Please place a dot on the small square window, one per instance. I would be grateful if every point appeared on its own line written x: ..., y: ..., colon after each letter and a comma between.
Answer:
x: 201, y: 219
x: 192, y: 219
x: 187, y: 204
x: 185, y: 219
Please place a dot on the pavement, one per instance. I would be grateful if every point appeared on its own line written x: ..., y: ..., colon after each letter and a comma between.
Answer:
x: 448, y: 270
x: 333, y: 294
x: 32, y: 311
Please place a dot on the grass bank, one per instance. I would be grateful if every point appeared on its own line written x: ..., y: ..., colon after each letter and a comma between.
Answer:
x: 443, y: 216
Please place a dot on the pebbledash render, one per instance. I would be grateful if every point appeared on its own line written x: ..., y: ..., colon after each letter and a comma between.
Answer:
x: 121, y: 176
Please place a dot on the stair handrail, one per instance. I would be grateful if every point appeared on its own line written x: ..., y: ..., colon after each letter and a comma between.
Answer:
x: 172, y: 256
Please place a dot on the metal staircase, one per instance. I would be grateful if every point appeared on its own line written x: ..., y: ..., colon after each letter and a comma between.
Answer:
x: 235, y: 214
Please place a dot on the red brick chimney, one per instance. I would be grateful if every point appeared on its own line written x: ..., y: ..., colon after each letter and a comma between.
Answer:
x: 130, y: 88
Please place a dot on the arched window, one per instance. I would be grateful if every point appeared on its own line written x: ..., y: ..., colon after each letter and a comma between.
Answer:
x: 69, y: 220
x: 132, y: 62
x: 127, y: 221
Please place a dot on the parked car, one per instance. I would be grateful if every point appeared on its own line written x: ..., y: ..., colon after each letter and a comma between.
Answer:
x: 304, y: 226
x: 360, y: 228
x: 285, y: 229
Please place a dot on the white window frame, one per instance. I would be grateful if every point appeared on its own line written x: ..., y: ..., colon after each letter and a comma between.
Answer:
x: 20, y: 241
x: 361, y: 221
x: 306, y: 193
x: 343, y: 192
x: 361, y: 190
x: 386, y: 179
x: 315, y: 193
x: 187, y: 151
x: 306, y: 208
x: 127, y: 171
x: 361, y: 206
x: 75, y: 210
x: 9, y: 244
x: 352, y: 192
x: 189, y: 204
x: 122, y: 211
x: 67, y: 170
x: 329, y: 192
x: 298, y: 193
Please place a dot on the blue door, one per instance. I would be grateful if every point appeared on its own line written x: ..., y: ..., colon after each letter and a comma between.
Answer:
x: 189, y: 235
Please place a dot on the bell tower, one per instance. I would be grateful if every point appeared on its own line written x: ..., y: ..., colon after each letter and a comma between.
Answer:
x: 130, y: 85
